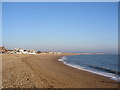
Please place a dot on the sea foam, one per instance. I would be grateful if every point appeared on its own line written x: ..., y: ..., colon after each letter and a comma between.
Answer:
x: 105, y: 74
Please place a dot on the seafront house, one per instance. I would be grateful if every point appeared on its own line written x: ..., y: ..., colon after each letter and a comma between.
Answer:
x: 50, y: 52
x: 3, y: 49
x: 10, y: 52
x: 24, y: 51
x: 20, y: 51
x: 32, y: 51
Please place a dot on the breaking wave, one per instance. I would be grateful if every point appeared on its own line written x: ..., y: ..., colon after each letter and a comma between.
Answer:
x: 112, y: 74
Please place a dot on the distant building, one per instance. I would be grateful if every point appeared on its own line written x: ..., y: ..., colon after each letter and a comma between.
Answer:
x: 10, y: 51
x: 3, y: 49
x: 31, y: 51
x: 18, y: 51
x: 50, y: 52
x: 39, y: 52
x: 24, y: 51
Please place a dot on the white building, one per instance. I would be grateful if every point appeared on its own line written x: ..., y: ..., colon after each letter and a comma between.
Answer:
x: 31, y: 51
x: 23, y: 51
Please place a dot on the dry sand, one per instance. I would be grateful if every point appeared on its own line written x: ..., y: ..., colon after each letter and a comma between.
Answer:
x: 45, y: 71
x: 0, y: 71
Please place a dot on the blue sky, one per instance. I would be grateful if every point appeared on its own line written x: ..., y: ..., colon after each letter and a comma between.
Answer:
x: 0, y: 23
x: 73, y: 27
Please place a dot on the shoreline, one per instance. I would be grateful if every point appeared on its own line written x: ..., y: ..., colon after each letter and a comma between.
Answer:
x: 87, y: 70
x: 45, y: 71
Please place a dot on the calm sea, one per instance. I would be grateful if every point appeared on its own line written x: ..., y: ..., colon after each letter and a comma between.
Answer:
x: 105, y: 65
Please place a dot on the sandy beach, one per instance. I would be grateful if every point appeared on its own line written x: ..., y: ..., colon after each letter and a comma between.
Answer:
x: 45, y: 71
x: 0, y: 71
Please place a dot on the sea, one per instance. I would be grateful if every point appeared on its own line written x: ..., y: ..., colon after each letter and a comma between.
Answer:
x: 102, y: 64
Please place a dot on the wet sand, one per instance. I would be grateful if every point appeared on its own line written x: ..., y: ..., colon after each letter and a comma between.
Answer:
x: 45, y: 71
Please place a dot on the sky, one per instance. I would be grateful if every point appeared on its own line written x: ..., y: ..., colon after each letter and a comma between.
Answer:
x: 61, y: 26
x: 60, y: 0
x: 0, y: 23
